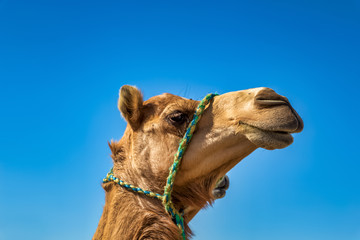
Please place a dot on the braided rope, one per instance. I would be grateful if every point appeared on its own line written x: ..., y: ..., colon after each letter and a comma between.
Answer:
x: 111, y: 178
x: 166, y: 197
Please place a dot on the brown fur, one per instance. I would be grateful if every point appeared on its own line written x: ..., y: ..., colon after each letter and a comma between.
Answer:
x: 231, y: 128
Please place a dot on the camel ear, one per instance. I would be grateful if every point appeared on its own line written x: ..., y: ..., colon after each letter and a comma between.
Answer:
x: 130, y: 104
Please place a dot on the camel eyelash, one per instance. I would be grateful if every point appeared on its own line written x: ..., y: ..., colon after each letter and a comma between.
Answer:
x: 177, y: 118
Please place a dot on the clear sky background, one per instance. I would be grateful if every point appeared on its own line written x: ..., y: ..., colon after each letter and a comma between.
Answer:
x: 63, y: 62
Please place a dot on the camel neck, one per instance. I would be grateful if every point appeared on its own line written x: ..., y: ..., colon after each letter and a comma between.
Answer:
x: 128, y: 215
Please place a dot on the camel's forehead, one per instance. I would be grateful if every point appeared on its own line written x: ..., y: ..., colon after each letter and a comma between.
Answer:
x: 166, y: 99
x: 157, y: 104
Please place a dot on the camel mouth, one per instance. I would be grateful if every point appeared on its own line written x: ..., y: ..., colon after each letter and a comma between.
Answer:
x: 275, y: 130
x: 220, y: 187
x: 265, y: 138
x: 280, y: 132
x: 281, y: 135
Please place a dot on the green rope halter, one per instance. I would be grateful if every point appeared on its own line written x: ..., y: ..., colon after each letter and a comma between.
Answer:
x: 166, y: 197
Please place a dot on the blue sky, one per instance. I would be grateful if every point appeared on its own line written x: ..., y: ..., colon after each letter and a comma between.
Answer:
x: 63, y: 62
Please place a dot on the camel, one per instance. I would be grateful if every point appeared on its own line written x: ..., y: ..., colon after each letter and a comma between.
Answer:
x: 233, y: 125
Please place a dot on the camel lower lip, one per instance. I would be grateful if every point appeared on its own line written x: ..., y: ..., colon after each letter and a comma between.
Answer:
x: 279, y: 139
x: 266, y: 138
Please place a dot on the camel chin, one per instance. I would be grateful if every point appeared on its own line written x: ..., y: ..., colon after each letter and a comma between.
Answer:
x: 269, y: 140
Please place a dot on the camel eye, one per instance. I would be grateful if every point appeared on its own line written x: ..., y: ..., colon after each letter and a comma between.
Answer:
x: 177, y: 118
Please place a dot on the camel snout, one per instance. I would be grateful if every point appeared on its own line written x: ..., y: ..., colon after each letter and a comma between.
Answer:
x: 288, y: 120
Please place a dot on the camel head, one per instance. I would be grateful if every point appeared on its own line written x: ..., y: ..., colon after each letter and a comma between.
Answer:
x: 233, y: 125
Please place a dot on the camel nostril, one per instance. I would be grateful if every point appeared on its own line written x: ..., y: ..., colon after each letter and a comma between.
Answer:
x: 268, y: 97
x: 268, y: 102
